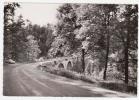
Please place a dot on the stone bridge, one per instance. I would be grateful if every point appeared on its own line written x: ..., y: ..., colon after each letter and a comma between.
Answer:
x: 68, y: 63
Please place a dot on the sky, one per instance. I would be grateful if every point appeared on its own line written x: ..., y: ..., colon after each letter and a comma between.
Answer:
x: 38, y: 13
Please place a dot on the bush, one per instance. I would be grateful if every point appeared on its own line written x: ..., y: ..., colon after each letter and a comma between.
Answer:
x: 86, y: 79
x: 68, y: 74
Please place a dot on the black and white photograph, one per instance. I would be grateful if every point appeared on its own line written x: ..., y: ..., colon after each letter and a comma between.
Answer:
x: 70, y: 49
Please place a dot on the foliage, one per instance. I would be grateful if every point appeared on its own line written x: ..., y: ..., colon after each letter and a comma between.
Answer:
x: 9, y: 12
x: 109, y: 31
x: 44, y: 36
x: 16, y: 32
x: 59, y: 48
x: 32, y: 48
x: 67, y: 24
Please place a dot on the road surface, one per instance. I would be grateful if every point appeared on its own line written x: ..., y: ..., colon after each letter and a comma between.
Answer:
x: 27, y: 80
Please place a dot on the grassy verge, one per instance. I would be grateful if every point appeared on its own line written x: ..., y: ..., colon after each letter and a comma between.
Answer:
x: 68, y: 74
x: 118, y: 87
x: 80, y: 76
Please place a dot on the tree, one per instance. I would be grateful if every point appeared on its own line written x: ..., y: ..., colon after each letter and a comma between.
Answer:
x: 67, y: 24
x: 90, y: 20
x: 32, y: 48
x: 18, y: 37
x: 108, y: 12
x: 97, y: 24
x: 59, y: 47
x: 44, y: 36
x: 9, y: 12
x: 127, y: 34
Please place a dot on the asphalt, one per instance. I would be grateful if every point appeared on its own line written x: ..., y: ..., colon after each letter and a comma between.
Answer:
x: 27, y: 80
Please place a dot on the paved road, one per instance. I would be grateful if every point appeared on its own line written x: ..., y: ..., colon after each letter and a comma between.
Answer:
x: 26, y: 80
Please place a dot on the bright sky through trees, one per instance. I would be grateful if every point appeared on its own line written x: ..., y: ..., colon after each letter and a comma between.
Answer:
x: 38, y: 13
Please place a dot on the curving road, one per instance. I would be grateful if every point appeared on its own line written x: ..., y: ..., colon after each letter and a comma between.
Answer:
x: 26, y: 80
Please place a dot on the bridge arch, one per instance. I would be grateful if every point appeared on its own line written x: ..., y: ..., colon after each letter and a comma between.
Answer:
x: 61, y: 65
x: 69, y: 65
x: 89, y: 68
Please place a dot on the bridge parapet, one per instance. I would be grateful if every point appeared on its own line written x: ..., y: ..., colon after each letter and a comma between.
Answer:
x: 70, y: 62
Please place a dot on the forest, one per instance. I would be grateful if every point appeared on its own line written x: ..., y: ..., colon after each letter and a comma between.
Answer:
x: 109, y: 32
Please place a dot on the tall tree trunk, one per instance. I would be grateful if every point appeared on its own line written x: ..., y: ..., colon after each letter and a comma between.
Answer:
x: 126, y: 53
x: 126, y: 63
x: 107, y: 54
x: 107, y: 48
x: 127, y: 42
x: 83, y: 62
